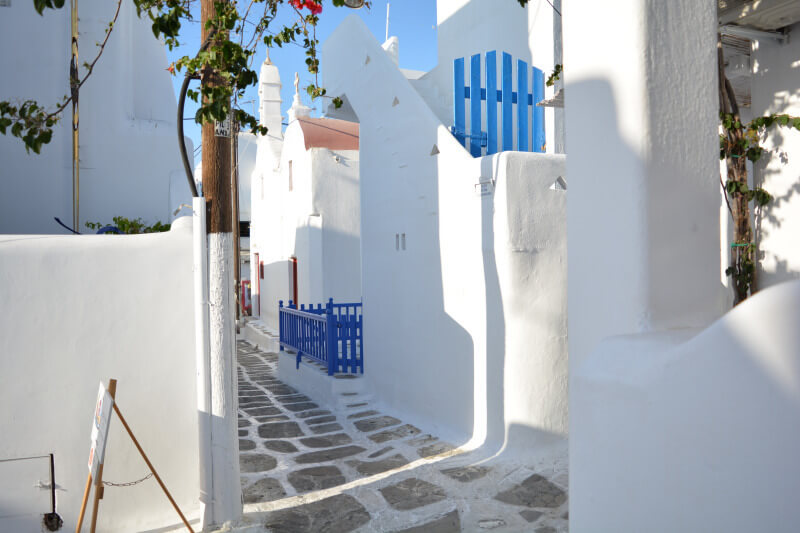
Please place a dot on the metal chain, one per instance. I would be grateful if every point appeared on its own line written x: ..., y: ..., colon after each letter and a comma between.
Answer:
x: 128, y: 484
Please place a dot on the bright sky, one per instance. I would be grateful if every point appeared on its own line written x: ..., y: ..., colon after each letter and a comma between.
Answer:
x: 412, y: 21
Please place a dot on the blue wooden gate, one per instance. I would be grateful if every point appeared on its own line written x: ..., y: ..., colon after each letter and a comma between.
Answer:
x: 330, y: 335
x: 506, y: 97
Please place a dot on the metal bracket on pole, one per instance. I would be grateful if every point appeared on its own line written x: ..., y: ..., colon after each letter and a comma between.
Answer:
x: 752, y: 33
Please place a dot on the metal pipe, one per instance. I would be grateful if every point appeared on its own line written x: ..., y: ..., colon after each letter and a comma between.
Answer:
x: 181, y: 102
x: 181, y: 141
x: 202, y: 357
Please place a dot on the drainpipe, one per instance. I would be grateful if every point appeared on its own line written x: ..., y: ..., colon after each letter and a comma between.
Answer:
x: 202, y: 357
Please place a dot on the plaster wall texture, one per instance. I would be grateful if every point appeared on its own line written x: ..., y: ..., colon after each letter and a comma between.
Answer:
x: 693, y: 431
x: 451, y: 279
x: 247, y: 160
x: 81, y: 310
x: 776, y: 89
x: 643, y: 216
x: 667, y: 407
x: 317, y: 222
x: 467, y: 27
x: 248, y: 148
x: 127, y: 121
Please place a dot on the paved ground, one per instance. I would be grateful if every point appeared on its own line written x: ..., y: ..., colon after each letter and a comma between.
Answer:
x: 331, y: 469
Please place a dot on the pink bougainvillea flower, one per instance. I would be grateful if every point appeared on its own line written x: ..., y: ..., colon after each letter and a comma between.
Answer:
x: 311, y: 5
x: 314, y: 7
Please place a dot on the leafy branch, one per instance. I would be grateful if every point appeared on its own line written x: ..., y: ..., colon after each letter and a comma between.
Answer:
x: 30, y: 121
x: 228, y: 60
x: 739, y: 143
x: 555, y: 75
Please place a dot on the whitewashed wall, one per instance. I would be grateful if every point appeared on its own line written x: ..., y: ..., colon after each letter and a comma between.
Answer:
x: 318, y: 222
x: 79, y: 310
x: 127, y: 118
x: 691, y: 431
x: 455, y: 305
x: 336, y: 196
x: 676, y: 414
x: 776, y: 89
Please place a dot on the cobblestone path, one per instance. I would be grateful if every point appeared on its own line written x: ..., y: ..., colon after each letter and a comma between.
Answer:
x: 333, y: 469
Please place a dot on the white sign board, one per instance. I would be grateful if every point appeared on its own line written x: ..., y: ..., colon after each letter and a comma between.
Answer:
x: 223, y: 129
x: 100, y: 422
x: 484, y: 188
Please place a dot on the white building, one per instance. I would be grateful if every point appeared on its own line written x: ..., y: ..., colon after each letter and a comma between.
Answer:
x: 129, y: 159
x: 305, y: 230
x: 463, y: 258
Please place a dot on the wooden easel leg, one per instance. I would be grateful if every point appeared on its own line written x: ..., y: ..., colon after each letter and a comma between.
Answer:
x: 98, y: 495
x: 84, y: 502
x: 152, y: 468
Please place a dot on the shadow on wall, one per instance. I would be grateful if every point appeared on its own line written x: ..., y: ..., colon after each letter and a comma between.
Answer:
x: 328, y: 266
x: 776, y: 170
x: 423, y: 360
x: 775, y: 82
x: 674, y: 417
x: 436, y: 324
x: 495, y: 322
x: 706, y: 440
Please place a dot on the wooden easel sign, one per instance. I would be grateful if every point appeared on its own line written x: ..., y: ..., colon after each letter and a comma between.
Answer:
x: 106, y: 404
x: 102, y: 418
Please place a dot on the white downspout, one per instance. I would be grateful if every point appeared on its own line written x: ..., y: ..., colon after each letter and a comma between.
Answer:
x: 202, y: 358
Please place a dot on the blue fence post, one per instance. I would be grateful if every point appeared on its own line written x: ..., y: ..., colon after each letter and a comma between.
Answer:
x: 332, y: 348
x: 491, y: 102
x: 507, y: 98
x: 537, y: 133
x: 281, y: 338
x: 459, y: 113
x: 360, y: 327
x: 475, y: 105
x: 522, y: 106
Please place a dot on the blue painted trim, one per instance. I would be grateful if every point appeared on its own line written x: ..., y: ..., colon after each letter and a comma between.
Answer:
x: 331, y: 335
x: 538, y: 133
x: 459, y: 113
x: 522, y: 106
x: 508, y: 100
x: 475, y: 106
x: 491, y: 102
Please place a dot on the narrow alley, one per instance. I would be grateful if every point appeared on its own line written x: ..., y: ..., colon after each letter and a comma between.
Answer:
x: 318, y: 468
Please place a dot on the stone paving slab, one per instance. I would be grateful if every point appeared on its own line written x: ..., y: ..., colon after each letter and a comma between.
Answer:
x: 308, y: 468
x: 449, y: 523
x: 337, y: 514
x: 412, y: 493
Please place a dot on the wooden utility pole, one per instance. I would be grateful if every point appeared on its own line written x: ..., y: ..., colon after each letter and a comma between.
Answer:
x: 226, y: 504
x: 237, y: 238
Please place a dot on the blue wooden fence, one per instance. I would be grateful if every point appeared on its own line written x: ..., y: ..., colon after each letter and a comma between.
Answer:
x: 330, y: 335
x: 506, y: 97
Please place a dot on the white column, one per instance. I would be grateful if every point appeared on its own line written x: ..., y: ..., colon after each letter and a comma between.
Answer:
x: 642, y: 168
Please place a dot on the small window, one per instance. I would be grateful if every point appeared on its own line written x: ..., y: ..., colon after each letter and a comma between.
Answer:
x: 291, y: 184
